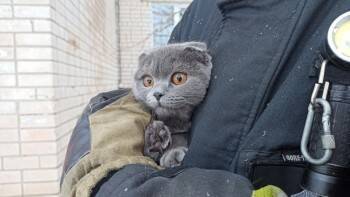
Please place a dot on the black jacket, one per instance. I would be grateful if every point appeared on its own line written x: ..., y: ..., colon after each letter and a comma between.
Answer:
x: 251, y: 121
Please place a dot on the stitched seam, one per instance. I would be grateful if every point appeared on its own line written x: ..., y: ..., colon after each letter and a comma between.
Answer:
x: 247, y: 126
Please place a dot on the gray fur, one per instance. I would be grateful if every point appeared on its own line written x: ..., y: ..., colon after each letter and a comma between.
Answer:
x: 174, y: 109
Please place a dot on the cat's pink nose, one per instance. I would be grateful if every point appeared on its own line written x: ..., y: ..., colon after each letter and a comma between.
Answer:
x: 158, y: 95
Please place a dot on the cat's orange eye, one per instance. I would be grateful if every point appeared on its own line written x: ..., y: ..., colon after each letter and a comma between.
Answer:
x: 148, y: 81
x: 179, y: 78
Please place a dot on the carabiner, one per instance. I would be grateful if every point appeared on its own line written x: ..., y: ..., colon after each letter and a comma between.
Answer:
x: 328, y: 143
x: 320, y: 83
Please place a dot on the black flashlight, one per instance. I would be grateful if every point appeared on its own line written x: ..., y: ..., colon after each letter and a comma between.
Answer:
x: 332, y: 176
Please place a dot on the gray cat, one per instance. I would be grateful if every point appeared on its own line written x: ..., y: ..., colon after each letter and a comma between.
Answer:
x: 171, y: 81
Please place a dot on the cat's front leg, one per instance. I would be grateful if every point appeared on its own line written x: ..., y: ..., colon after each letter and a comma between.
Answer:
x: 173, y: 157
x: 157, y: 139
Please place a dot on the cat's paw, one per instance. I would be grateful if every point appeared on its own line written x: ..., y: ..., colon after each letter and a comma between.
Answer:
x: 157, y: 139
x: 173, y: 157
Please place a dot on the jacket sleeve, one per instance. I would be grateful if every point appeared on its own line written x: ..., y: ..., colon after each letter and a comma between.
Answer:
x: 100, y: 164
x: 140, y: 180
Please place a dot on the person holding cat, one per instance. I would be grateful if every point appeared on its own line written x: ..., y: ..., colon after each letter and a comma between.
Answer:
x: 249, y: 125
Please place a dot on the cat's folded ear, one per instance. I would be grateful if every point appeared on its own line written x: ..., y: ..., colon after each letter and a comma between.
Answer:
x: 197, y: 51
x: 143, y: 58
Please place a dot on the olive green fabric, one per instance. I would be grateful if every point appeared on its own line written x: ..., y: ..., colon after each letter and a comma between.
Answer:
x: 117, y: 139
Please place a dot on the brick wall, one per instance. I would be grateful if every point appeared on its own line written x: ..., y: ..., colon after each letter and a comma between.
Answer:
x: 136, y: 33
x: 54, y: 56
x: 135, y: 30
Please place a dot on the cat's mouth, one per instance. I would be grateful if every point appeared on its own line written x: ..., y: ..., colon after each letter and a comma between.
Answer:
x: 163, y: 104
x: 155, y: 105
x: 160, y: 105
x: 169, y: 106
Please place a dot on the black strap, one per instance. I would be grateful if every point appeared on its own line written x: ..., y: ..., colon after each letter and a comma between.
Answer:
x: 336, y: 75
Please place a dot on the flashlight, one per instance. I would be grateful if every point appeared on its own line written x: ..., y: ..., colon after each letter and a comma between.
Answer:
x: 338, y: 42
x: 331, y: 176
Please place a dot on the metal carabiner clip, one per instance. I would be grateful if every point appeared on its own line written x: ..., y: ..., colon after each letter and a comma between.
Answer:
x: 328, y: 142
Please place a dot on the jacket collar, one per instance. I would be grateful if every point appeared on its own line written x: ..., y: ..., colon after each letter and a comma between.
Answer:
x: 223, y: 3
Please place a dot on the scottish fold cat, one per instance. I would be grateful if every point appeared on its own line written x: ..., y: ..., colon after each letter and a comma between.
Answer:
x: 171, y: 81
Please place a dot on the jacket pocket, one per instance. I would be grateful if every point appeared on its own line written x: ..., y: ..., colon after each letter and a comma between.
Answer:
x: 282, y: 168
